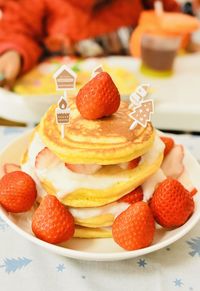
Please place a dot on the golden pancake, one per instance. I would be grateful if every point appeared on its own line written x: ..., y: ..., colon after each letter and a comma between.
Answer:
x: 105, y: 141
x: 97, y: 197
x: 97, y: 221
x: 84, y: 232
x: 98, y: 217
x: 107, y: 185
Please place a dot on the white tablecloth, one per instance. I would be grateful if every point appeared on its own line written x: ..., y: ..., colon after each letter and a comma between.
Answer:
x: 27, y: 267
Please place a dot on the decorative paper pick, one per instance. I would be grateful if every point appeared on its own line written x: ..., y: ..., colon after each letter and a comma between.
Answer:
x: 142, y: 113
x: 140, y: 93
x: 65, y: 80
x: 142, y: 90
x: 97, y: 70
x: 142, y: 110
x: 62, y: 115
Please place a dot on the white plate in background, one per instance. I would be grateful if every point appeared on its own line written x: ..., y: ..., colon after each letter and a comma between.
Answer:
x: 177, y: 99
x: 30, y: 108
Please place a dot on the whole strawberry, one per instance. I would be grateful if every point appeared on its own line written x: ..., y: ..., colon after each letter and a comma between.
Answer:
x: 135, y: 227
x: 98, y: 98
x: 133, y: 197
x: 17, y: 192
x: 52, y: 222
x: 171, y: 204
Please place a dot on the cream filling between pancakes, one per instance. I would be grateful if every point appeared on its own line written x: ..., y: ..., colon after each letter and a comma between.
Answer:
x: 115, y: 208
x: 65, y: 181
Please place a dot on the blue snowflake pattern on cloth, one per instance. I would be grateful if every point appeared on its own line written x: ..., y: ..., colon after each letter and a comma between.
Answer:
x: 194, y: 244
x: 3, y: 225
x: 178, y: 283
x: 12, y: 265
x: 141, y: 263
x: 60, y: 267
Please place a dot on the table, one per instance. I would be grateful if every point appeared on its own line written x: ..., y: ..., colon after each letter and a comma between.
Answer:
x: 25, y: 266
x: 177, y: 99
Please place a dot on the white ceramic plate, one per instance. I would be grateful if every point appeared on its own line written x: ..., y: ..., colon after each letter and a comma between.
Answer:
x: 99, y: 249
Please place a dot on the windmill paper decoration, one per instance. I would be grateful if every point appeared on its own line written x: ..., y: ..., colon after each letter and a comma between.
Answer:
x: 97, y: 70
x: 140, y: 93
x: 65, y: 80
x: 142, y: 112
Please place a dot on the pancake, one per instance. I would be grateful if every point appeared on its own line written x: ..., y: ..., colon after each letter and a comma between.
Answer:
x: 100, y: 216
x: 105, y: 141
x: 84, y: 232
x: 95, y: 222
x: 85, y: 197
x: 80, y: 190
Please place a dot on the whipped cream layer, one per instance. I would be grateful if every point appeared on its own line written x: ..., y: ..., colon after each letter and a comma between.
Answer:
x: 28, y: 167
x: 66, y: 181
x: 115, y: 208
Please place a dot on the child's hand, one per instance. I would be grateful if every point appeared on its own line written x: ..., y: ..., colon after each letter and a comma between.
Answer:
x: 10, y: 66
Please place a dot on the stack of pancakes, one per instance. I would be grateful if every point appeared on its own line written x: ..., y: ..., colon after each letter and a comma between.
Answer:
x: 106, y: 146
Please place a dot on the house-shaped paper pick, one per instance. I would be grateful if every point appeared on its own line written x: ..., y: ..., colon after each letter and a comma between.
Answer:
x: 65, y: 78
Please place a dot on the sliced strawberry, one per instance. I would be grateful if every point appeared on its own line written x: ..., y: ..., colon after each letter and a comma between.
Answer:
x: 45, y: 159
x: 151, y: 183
x: 169, y: 144
x: 130, y: 165
x: 9, y: 167
x: 172, y: 165
x: 134, y: 163
x: 133, y: 197
x: 83, y: 169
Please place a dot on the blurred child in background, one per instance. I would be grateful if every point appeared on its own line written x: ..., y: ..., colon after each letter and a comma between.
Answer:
x: 28, y: 29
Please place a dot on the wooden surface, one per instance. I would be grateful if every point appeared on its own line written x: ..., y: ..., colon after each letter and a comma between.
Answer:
x: 10, y: 123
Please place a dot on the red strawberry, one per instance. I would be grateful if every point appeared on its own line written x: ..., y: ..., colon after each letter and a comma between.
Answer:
x: 45, y: 159
x: 172, y: 164
x: 193, y: 191
x: 83, y: 169
x: 135, y: 227
x: 171, y: 204
x: 9, y: 167
x: 169, y: 143
x: 134, y: 163
x: 130, y: 165
x: 17, y: 192
x: 98, y: 98
x: 52, y: 221
x: 133, y: 197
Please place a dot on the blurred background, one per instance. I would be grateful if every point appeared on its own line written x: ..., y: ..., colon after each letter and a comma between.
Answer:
x: 154, y: 42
